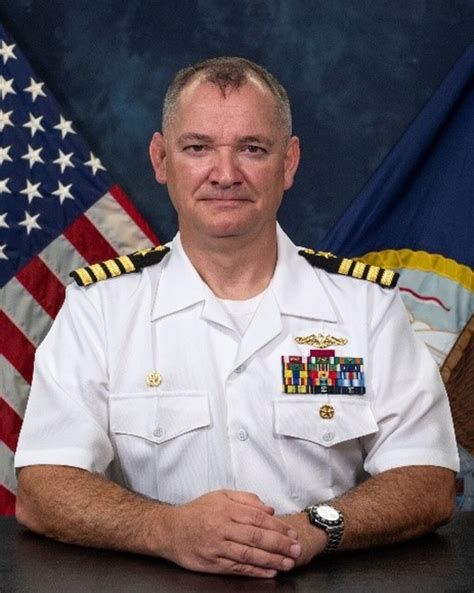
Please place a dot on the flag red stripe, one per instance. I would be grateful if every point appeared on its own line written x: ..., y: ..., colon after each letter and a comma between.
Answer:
x: 88, y: 241
x: 43, y: 285
x: 424, y: 298
x: 130, y: 209
x: 7, y: 502
x: 16, y: 348
x: 10, y: 426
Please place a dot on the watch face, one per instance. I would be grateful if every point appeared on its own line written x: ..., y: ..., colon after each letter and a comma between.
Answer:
x: 328, y: 513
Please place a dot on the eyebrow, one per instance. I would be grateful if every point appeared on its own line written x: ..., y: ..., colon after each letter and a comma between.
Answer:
x: 195, y: 137
x: 204, y: 138
x: 258, y: 139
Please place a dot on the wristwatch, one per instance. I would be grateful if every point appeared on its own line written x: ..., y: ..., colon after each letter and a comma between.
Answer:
x: 331, y: 520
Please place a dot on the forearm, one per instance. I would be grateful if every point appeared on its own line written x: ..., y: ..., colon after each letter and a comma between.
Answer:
x: 227, y: 532
x: 76, y: 506
x: 391, y: 507
x: 397, y: 505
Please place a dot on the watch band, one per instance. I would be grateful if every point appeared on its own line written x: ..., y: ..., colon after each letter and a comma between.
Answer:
x: 331, y: 520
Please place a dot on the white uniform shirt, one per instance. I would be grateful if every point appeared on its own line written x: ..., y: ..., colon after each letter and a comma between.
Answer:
x: 219, y: 418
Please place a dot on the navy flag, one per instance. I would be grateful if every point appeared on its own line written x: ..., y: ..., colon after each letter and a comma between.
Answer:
x: 416, y: 216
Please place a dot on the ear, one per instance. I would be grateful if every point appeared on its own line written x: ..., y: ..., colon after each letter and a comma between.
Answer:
x: 158, y: 157
x: 292, y: 159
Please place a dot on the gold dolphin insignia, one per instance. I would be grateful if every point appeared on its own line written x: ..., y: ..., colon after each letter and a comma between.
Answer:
x: 321, y: 340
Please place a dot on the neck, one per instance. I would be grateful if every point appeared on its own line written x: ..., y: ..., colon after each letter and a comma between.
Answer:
x: 234, y: 268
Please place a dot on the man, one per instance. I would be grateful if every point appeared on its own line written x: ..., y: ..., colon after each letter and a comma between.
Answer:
x: 172, y: 413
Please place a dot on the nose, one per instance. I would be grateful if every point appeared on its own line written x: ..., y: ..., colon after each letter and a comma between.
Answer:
x: 225, y: 172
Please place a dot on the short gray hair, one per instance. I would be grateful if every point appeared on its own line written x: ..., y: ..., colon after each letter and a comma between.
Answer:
x: 227, y: 72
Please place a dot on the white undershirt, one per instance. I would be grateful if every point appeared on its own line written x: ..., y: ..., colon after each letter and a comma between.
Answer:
x: 242, y: 312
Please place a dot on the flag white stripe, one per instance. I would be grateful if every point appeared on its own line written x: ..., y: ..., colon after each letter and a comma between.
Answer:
x: 15, y: 390
x: 61, y: 257
x: 7, y: 472
x: 25, y: 312
x: 108, y: 216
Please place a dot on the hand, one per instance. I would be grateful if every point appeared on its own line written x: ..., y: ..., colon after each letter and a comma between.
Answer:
x: 230, y: 532
x: 312, y: 539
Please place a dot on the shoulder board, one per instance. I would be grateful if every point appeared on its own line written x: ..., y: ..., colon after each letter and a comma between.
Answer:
x: 350, y: 267
x: 124, y: 264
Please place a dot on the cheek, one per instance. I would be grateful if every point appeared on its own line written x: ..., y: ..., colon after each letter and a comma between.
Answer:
x: 188, y: 176
x: 268, y: 181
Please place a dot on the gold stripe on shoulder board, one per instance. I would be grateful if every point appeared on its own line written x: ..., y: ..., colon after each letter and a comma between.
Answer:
x: 123, y: 264
x: 350, y: 267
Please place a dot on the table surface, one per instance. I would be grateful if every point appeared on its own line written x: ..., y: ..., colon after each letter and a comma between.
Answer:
x: 438, y: 563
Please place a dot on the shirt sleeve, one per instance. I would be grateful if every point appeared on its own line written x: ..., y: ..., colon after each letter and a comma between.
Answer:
x: 409, y: 400
x: 66, y: 420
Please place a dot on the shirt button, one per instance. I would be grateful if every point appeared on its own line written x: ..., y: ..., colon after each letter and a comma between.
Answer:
x: 239, y: 369
x: 158, y: 432
x: 328, y: 436
x: 243, y: 436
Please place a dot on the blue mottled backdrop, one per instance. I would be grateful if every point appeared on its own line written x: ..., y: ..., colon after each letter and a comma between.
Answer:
x: 357, y: 72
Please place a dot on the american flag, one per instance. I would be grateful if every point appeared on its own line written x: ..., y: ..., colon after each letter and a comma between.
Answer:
x: 59, y: 210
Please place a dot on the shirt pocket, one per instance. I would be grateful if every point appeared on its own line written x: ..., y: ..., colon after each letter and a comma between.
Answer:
x: 161, y: 441
x: 317, y: 449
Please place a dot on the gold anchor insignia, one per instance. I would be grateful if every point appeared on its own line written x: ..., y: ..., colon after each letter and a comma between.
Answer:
x: 153, y: 379
x: 148, y: 250
x: 142, y: 251
x: 325, y: 254
x: 321, y: 340
x: 326, y: 412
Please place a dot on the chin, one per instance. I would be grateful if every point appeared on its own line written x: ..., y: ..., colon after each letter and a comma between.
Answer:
x: 227, y: 227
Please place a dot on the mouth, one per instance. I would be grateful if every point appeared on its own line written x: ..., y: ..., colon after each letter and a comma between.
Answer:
x: 225, y: 199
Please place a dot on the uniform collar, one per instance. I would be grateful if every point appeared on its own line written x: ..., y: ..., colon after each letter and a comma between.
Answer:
x: 180, y: 286
x: 295, y: 285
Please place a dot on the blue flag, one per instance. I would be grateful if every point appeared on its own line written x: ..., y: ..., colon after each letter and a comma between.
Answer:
x: 416, y: 215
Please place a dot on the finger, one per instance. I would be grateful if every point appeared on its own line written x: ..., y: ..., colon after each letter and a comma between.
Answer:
x: 263, y: 539
x: 250, y: 499
x: 247, y: 570
x: 254, y: 516
x: 247, y: 555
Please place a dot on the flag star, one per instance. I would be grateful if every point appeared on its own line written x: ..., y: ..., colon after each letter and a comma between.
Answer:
x: 5, y: 119
x: 65, y: 126
x: 94, y: 163
x: 30, y: 222
x: 2, y: 252
x: 3, y: 186
x: 36, y: 89
x: 31, y: 190
x: 6, y: 87
x: 3, y: 221
x: 63, y: 192
x: 33, y: 156
x: 4, y: 156
x: 7, y: 52
x: 34, y: 124
x: 64, y: 160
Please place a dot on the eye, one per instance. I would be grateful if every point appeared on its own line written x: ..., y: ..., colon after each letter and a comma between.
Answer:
x: 254, y: 149
x: 195, y: 148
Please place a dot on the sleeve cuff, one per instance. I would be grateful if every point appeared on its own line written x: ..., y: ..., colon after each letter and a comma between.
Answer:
x: 79, y: 458
x: 403, y: 457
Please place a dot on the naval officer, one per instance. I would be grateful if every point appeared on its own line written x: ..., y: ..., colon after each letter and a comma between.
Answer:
x: 229, y: 401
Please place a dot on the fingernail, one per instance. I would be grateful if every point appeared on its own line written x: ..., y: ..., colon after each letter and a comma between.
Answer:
x: 287, y: 563
x: 295, y: 550
x: 292, y: 533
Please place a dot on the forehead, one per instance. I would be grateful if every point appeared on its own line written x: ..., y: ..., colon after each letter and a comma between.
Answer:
x: 250, y: 108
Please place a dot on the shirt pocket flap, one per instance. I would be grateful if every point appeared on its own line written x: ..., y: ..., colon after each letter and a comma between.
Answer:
x: 159, y: 418
x: 301, y: 419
